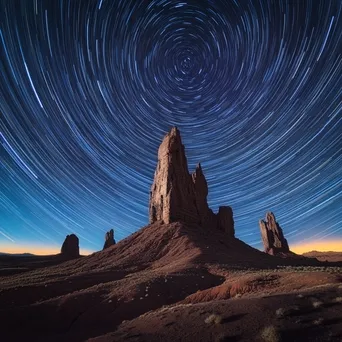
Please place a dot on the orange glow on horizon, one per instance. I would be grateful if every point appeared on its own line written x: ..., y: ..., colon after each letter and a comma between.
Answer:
x: 35, y: 249
x: 319, y: 246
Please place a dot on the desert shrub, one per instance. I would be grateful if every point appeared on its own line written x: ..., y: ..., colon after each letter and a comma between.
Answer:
x: 317, y: 304
x: 338, y: 300
x: 223, y: 338
x: 270, y: 334
x: 282, y: 312
x: 318, y: 321
x: 213, y: 319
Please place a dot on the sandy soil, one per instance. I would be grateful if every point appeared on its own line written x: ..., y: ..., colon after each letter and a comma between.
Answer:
x: 162, y: 283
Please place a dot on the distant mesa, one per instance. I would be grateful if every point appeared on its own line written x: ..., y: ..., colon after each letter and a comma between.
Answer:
x: 325, y: 256
x: 272, y: 236
x: 17, y: 254
x: 109, y: 239
x: 177, y: 195
x: 70, y: 248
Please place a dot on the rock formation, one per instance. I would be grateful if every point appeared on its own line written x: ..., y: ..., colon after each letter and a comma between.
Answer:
x: 109, y: 239
x: 178, y: 196
x: 70, y: 247
x: 272, y: 236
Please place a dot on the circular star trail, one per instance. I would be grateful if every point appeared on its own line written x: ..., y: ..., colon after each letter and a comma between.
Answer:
x: 89, y: 88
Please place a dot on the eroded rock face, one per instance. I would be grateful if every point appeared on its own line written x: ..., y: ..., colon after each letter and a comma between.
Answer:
x: 70, y: 247
x: 109, y: 239
x: 272, y: 236
x: 172, y: 196
x: 178, y: 196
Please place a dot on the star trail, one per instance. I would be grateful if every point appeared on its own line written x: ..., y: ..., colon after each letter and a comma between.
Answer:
x: 89, y: 88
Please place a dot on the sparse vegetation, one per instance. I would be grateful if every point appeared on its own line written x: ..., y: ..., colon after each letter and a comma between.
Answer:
x: 222, y: 338
x: 213, y: 319
x: 328, y: 269
x: 338, y: 300
x: 271, y: 334
x: 318, y: 321
x: 282, y: 312
x: 317, y: 304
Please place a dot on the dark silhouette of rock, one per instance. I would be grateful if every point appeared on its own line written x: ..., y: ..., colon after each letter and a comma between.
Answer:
x: 272, y: 236
x: 178, y: 196
x: 109, y: 239
x: 70, y: 247
x: 225, y: 221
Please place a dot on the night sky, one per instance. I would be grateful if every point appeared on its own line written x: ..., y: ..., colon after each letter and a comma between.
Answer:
x: 89, y: 88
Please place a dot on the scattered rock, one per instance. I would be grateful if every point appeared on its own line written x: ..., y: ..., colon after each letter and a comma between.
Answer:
x: 70, y: 247
x: 213, y: 319
x: 272, y: 236
x: 178, y: 196
x: 109, y: 239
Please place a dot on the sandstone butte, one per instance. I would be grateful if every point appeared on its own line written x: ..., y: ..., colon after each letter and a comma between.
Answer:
x: 70, y: 248
x: 178, y: 196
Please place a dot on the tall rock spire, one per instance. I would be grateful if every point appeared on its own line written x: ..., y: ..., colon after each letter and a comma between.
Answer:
x: 272, y: 235
x: 172, y: 196
x: 178, y: 196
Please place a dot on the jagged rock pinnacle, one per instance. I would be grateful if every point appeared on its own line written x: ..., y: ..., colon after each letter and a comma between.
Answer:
x: 109, y: 239
x: 178, y: 196
x: 272, y: 236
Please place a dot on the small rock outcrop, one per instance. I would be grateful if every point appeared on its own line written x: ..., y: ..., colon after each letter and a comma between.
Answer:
x: 178, y: 196
x: 272, y: 236
x: 70, y: 247
x: 109, y: 239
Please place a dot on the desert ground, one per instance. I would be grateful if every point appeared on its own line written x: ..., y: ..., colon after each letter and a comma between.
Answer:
x: 171, y: 282
x: 13, y: 264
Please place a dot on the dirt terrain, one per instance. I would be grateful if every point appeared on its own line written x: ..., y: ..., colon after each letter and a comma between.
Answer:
x: 164, y: 282
x: 250, y: 318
